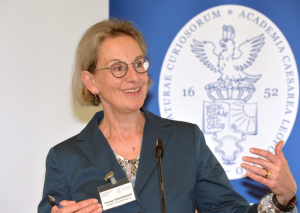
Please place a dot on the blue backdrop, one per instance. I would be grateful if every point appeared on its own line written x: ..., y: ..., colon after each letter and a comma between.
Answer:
x: 160, y: 21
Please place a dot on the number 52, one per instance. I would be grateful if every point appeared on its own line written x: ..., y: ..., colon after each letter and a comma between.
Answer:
x: 271, y: 92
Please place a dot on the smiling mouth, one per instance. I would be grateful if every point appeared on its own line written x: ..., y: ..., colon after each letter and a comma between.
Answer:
x: 132, y: 90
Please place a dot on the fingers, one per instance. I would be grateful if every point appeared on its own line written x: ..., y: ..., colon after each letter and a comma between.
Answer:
x: 278, y: 149
x: 275, y: 163
x: 258, y: 161
x: 269, y: 156
x: 258, y: 178
x: 63, y: 203
x: 83, y: 206
x: 254, y: 169
x: 95, y: 208
x: 265, y: 154
x: 98, y: 210
x: 67, y: 202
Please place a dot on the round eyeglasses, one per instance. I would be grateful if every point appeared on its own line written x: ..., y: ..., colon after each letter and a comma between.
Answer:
x: 119, y: 69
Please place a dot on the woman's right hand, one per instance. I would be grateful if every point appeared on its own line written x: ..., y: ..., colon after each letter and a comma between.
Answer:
x: 86, y: 206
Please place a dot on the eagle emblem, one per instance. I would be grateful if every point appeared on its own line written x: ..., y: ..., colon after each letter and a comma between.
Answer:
x: 232, y: 61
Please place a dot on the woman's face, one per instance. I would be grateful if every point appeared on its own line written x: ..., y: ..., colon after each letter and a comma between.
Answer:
x: 129, y: 92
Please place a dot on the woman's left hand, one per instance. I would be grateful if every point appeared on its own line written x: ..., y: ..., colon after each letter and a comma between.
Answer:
x: 280, y: 181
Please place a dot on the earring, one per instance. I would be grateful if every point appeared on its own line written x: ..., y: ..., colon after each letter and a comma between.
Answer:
x: 96, y: 101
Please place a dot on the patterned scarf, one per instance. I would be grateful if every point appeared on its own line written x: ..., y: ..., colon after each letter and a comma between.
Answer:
x: 129, y: 167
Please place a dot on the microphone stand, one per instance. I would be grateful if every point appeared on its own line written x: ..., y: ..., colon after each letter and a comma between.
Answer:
x: 159, y: 156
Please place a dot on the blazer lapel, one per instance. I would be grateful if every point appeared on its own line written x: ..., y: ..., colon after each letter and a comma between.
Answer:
x: 155, y: 127
x: 96, y: 148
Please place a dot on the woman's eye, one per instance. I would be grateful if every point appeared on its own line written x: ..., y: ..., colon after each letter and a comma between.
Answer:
x: 118, y: 68
x: 139, y: 64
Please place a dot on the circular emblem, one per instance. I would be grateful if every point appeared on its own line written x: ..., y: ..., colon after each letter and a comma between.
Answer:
x: 231, y: 71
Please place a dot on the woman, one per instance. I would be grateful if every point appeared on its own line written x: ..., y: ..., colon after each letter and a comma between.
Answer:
x: 111, y: 68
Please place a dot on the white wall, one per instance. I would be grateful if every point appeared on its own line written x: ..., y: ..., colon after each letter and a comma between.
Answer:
x: 37, y: 45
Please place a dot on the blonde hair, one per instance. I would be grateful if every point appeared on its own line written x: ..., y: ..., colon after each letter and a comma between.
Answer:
x: 88, y: 48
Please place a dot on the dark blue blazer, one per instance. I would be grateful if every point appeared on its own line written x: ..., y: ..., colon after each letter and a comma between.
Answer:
x: 191, y: 173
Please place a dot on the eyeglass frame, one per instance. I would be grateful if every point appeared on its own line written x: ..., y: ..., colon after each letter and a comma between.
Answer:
x: 126, y: 67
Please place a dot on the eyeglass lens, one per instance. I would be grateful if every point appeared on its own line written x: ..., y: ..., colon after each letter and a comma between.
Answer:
x: 119, y: 69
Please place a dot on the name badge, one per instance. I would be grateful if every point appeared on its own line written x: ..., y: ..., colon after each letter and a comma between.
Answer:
x: 118, y: 194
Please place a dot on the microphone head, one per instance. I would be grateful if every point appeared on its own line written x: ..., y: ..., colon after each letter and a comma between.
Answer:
x: 159, y: 147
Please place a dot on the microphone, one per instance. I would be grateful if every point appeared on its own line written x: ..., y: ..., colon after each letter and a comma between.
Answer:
x: 159, y: 155
x: 159, y: 148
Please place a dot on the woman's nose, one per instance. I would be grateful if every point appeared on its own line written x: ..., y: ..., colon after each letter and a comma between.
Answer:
x: 131, y: 73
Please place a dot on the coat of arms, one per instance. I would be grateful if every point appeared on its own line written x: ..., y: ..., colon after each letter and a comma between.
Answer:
x: 229, y: 117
